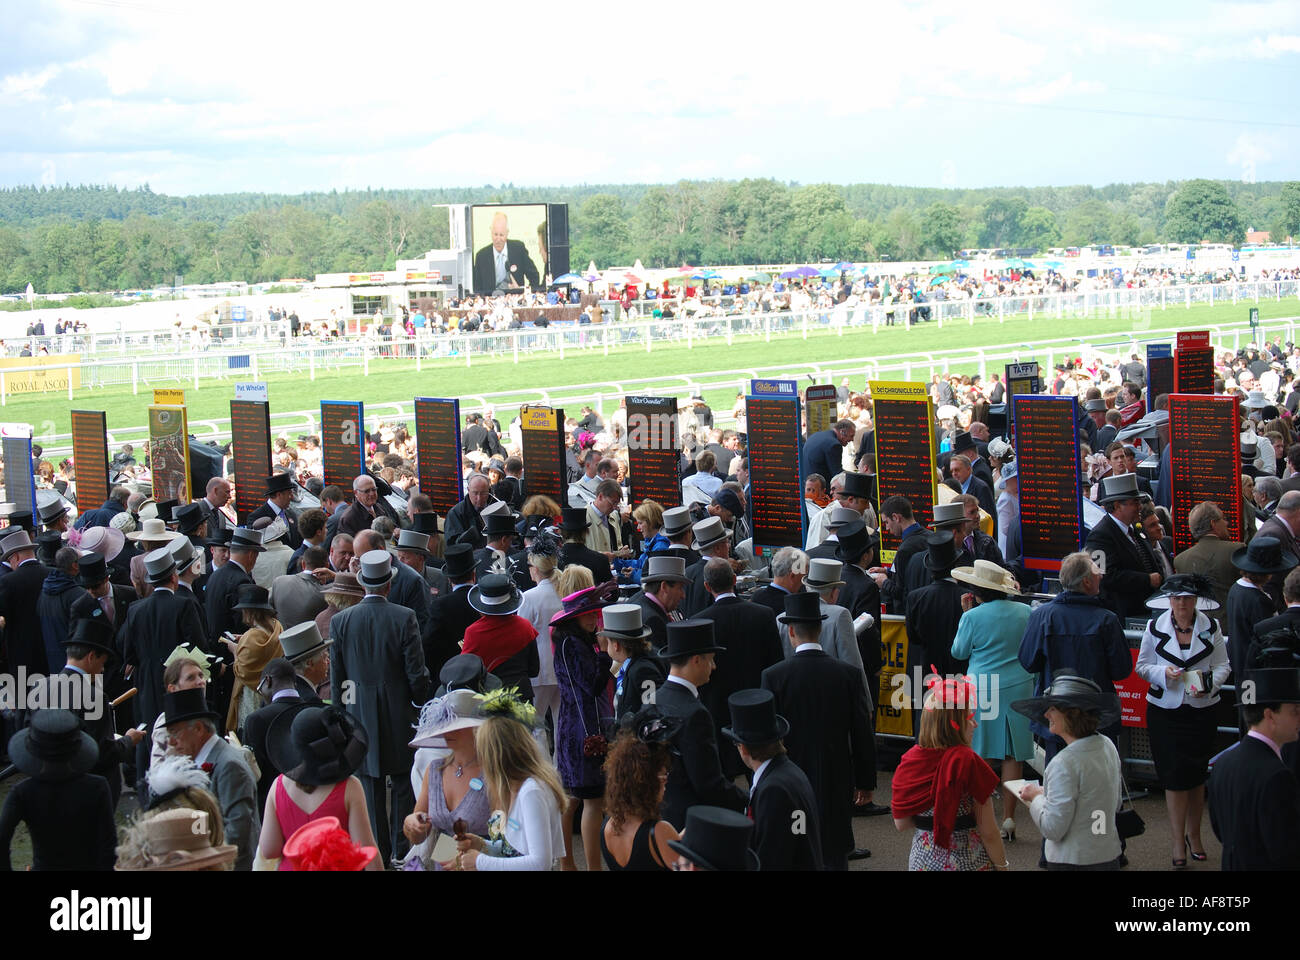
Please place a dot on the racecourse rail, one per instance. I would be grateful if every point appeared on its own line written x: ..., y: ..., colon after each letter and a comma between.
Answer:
x: 905, y: 366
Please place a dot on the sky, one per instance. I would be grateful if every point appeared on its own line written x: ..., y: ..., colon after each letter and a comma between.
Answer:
x: 286, y: 97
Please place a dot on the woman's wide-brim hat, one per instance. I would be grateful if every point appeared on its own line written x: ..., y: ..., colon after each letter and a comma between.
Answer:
x: 989, y: 576
x: 1068, y: 690
x: 177, y: 839
x: 1185, y: 585
x: 53, y: 746
x: 316, y: 745
x: 453, y: 711
x: 586, y: 601
x: 495, y: 596
x: 153, y: 530
x: 1264, y: 555
x: 253, y: 597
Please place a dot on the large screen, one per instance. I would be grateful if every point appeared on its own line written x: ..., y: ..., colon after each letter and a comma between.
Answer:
x: 437, y: 446
x: 652, y: 450
x: 1204, y: 460
x: 250, y: 447
x: 510, y: 247
x: 543, y: 443
x: 775, y: 491
x: 904, y: 417
x: 1051, y: 507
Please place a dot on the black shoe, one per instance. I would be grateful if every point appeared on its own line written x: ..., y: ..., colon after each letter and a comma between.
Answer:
x: 870, y: 809
x: 861, y: 853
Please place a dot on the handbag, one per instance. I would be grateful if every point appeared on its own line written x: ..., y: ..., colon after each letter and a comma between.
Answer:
x: 1128, y: 823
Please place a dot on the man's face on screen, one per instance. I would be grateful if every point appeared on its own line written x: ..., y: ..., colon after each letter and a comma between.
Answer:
x: 500, y: 231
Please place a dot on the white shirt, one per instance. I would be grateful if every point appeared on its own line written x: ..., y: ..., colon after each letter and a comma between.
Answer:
x: 202, y: 756
x: 807, y: 646
x: 695, y: 691
x: 532, y: 828
x: 759, y: 773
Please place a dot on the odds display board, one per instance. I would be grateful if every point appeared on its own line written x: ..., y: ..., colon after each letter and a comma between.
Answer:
x: 820, y: 401
x: 1160, y: 371
x: 1204, y: 460
x: 775, y: 491
x: 342, y: 443
x: 543, y: 443
x: 652, y: 450
x: 19, y: 482
x: 250, y: 448
x: 1051, y: 497
x: 169, y: 453
x: 904, y: 418
x: 438, y: 453
x: 1194, y: 363
x: 90, y: 457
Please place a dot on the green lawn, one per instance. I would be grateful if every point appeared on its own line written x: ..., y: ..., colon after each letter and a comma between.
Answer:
x: 397, y: 380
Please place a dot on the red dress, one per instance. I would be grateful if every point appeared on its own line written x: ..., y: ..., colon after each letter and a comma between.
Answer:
x: 290, y: 816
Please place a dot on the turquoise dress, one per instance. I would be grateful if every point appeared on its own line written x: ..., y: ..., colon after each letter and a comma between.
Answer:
x: 989, y: 636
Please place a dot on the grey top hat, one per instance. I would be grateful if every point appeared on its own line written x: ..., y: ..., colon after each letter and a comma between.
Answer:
x: 824, y: 572
x: 660, y: 567
x: 676, y: 520
x: 52, y: 511
x: 1121, y: 487
x: 414, y: 541
x: 1095, y: 406
x: 948, y: 515
x: 623, y: 621
x: 841, y: 515
x: 708, y: 532
x: 182, y: 552
x: 302, y: 640
x: 158, y: 565
x: 15, y: 542
x: 376, y: 568
x: 245, y: 539
x: 499, y: 508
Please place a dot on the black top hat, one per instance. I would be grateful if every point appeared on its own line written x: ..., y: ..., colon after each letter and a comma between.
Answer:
x: 689, y: 638
x: 754, y: 719
x: 805, y: 607
x: 1069, y: 690
x: 53, y: 747
x: 458, y: 560
x: 853, y: 541
x: 253, y: 597
x: 190, y: 704
x: 91, y: 569
x: 425, y: 523
x: 48, y: 543
x: 941, y: 552
x: 495, y: 596
x: 719, y: 840
x: 574, y: 518
x: 466, y: 671
x: 1263, y: 555
x: 221, y: 538
x: 963, y: 441
x: 93, y: 630
x: 278, y: 483
x: 166, y: 509
x: 498, y: 525
x: 317, y: 746
x: 190, y: 517
x: 857, y: 485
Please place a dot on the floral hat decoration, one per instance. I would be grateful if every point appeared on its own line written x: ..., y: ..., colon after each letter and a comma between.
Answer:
x: 506, y: 702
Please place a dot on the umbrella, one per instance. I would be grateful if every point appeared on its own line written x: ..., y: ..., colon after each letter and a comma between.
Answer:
x: 829, y: 272
x: 791, y: 275
x: 1015, y: 263
x: 631, y: 278
x: 942, y: 268
x: 705, y: 275
x: 1054, y: 264
x: 938, y: 279
x: 806, y: 272
x: 1028, y: 266
x: 566, y: 278
x: 843, y: 266
x: 761, y: 278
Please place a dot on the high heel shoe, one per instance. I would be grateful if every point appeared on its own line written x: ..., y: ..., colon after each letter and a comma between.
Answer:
x: 1009, y: 830
x: 1198, y: 857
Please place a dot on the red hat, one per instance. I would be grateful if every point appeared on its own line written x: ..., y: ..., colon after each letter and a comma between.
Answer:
x: 324, y: 845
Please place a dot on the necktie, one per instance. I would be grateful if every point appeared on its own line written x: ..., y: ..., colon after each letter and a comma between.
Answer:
x: 107, y: 604
x: 1144, y: 552
x: 501, y: 268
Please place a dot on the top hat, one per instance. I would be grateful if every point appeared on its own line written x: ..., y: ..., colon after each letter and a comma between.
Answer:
x: 91, y: 569
x: 1095, y: 406
x: 948, y: 515
x: 495, y: 596
x: 824, y: 572
x: 676, y: 520
x: 623, y: 621
x: 1261, y: 555
x: 458, y: 709
x: 376, y: 568
x: 93, y: 630
x: 154, y: 531
x: 458, y: 560
x: 53, y: 746
x: 839, y: 516
x: 413, y: 541
x: 963, y: 441
x: 190, y: 517
x: 322, y: 844
x: 574, y: 518
x: 989, y: 576
x: 941, y: 552
x: 278, y: 483
x: 803, y: 607
x: 244, y: 538
x: 301, y: 641
x: 219, y: 538
x: 498, y: 525
x: 52, y: 511
x: 166, y: 509
x: 191, y: 704
x: 466, y: 671
x: 709, y: 532
x: 183, y: 552
x: 425, y: 523
x: 719, y: 839
x: 1068, y: 690
x: 159, y: 565
x: 14, y: 543
x: 1185, y: 585
x: 857, y: 485
x: 661, y: 567
x: 586, y: 601
x: 754, y: 720
x: 1117, y: 487
x: 689, y: 638
x: 317, y: 746
x: 253, y: 597
x: 496, y: 508
x: 854, y: 540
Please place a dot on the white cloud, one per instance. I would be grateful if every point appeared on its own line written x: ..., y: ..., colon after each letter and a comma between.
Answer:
x: 29, y: 84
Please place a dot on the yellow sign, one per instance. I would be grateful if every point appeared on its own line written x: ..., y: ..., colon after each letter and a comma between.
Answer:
x: 539, y: 418
x: 893, y: 715
x: 174, y: 398
x: 898, y: 390
x: 52, y: 375
x: 169, y: 453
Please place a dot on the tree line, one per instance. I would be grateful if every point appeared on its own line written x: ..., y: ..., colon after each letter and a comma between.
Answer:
x: 90, y: 238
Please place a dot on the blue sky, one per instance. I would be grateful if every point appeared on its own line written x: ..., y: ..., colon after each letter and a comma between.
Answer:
x: 277, y: 96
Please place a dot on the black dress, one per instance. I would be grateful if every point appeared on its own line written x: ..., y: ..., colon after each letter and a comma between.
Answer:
x: 70, y: 822
x: 641, y: 859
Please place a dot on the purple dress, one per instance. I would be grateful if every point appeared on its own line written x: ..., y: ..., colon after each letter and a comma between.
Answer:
x: 582, y: 675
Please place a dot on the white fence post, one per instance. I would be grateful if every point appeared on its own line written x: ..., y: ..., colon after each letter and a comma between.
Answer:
x: 1187, y: 296
x: 196, y: 373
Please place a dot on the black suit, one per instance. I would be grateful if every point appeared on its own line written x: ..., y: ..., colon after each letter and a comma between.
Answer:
x: 983, y: 492
x: 641, y: 680
x: 449, y: 615
x: 357, y: 518
x: 770, y: 596
x: 748, y: 631
x: 112, y: 751
x: 696, y: 598
x: 696, y: 775
x: 24, y: 642
x: 255, y: 727
x: 1126, y: 582
x: 220, y: 596
x: 896, y: 587
x: 652, y: 616
x: 825, y: 700
x: 860, y: 595
x: 519, y: 267
x: 571, y: 553
x: 463, y: 525
x: 933, y: 614
x: 782, y: 794
x: 1255, y: 808
x: 293, y: 538
x: 822, y: 453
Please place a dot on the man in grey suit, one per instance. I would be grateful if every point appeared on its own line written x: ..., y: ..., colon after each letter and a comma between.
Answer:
x: 1285, y: 522
x: 377, y: 673
x: 413, y: 551
x: 192, y: 730
x: 837, y: 637
x: 1211, y: 556
x: 408, y: 587
x: 296, y: 596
